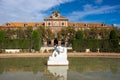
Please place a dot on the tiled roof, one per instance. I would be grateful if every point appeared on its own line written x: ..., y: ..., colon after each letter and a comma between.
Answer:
x: 70, y: 24
x: 22, y: 24
x: 98, y: 25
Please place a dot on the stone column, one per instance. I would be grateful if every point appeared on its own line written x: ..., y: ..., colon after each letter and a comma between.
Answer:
x: 66, y: 43
x: 45, y: 43
x: 59, y: 43
x: 52, y: 42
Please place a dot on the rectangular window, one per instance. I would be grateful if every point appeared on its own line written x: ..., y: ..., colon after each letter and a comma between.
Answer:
x: 25, y: 25
x: 62, y: 23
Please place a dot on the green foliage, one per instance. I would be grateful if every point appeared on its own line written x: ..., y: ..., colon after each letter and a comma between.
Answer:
x: 36, y: 41
x: 66, y: 34
x: 113, y: 34
x: 29, y: 31
x: 2, y: 38
x: 78, y: 45
x: 113, y: 40
x: 2, y: 35
x: 93, y: 38
x: 16, y: 44
x: 79, y: 35
x: 42, y: 32
x: 49, y: 34
x: 93, y: 45
x: 91, y: 42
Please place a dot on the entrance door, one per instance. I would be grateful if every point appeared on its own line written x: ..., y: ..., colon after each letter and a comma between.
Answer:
x: 55, y: 41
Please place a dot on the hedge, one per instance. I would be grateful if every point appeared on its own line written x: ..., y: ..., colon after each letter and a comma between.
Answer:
x: 104, y: 45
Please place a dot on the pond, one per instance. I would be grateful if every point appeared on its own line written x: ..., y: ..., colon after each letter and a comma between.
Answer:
x: 78, y: 69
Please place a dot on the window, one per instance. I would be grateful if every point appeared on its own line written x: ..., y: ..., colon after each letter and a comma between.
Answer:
x: 49, y: 24
x: 103, y: 25
x: 7, y: 24
x: 55, y: 23
x: 36, y: 25
x: 86, y: 25
x: 25, y: 24
x: 62, y: 24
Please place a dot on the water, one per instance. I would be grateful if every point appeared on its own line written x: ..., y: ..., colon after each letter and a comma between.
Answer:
x: 79, y: 69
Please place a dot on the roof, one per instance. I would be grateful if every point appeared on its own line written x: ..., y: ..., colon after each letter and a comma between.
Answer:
x: 78, y: 24
x: 22, y: 24
x: 70, y: 24
x: 51, y: 18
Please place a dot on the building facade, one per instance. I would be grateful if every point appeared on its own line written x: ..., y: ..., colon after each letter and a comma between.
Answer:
x: 55, y: 22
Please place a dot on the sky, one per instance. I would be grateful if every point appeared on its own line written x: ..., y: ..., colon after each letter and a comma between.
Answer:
x: 88, y: 11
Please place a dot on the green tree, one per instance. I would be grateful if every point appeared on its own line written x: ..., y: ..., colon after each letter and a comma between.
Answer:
x: 49, y: 34
x: 2, y: 38
x: 66, y: 34
x: 71, y: 34
x: 28, y: 33
x: 105, y: 33
x: 114, y: 42
x: 36, y: 41
x: 79, y: 34
x: 113, y: 35
x: 42, y: 32
x: 21, y: 33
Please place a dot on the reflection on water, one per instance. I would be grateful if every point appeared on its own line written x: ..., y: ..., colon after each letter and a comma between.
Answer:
x: 79, y: 69
x: 59, y: 71
x: 21, y: 75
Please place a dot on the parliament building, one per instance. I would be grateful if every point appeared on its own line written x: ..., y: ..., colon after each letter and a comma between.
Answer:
x: 55, y: 22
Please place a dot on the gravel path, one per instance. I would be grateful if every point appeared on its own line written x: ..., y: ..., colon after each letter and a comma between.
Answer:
x: 74, y: 54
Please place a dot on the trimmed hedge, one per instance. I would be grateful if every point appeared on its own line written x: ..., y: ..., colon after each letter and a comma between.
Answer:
x: 104, y: 45
x: 16, y: 44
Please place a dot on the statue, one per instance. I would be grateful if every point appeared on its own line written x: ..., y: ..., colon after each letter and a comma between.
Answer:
x: 58, y: 57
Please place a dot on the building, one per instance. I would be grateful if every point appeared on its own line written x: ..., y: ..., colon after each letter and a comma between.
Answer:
x: 55, y: 22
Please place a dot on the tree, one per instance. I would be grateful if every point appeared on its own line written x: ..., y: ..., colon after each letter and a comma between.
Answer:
x: 36, y: 41
x: 29, y: 31
x: 42, y: 33
x: 20, y: 33
x: 66, y: 34
x: 71, y: 34
x: 113, y: 40
x: 2, y: 37
x: 79, y: 35
x: 49, y: 34
x: 105, y: 33
x: 113, y: 35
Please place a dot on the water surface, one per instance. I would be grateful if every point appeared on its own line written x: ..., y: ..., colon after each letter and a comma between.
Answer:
x: 79, y: 69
